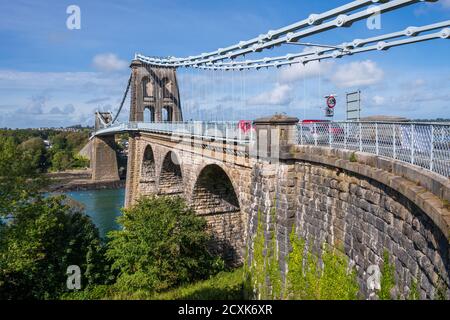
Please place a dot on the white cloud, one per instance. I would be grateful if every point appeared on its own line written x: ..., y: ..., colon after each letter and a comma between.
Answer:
x: 357, y: 74
x: 419, y: 82
x: 300, y: 71
x: 354, y: 74
x: 67, y: 109
x: 47, y: 98
x: 36, y: 105
x: 280, y: 95
x: 378, y: 100
x: 108, y: 62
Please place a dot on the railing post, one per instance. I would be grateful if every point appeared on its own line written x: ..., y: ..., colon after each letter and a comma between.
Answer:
x: 301, y: 134
x: 240, y: 132
x: 329, y: 134
x: 315, y: 134
x: 394, y: 141
x: 376, y: 140
x: 345, y: 135
x: 215, y: 130
x: 412, y: 143
x: 360, y: 137
x: 432, y: 149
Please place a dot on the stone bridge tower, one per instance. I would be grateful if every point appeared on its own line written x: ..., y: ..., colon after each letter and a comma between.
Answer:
x: 154, y: 94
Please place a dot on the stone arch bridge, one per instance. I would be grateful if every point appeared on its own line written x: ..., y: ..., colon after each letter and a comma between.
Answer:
x: 351, y: 193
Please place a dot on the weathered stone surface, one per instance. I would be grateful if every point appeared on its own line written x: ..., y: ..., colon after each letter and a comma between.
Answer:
x: 104, y: 159
x: 343, y: 208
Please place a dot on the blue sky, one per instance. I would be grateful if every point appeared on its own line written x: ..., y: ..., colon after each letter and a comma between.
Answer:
x: 52, y: 76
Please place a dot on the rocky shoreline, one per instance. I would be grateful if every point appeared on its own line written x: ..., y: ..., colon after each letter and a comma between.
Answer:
x: 79, y: 180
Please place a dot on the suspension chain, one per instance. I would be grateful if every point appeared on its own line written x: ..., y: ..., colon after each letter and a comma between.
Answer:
x: 123, y: 99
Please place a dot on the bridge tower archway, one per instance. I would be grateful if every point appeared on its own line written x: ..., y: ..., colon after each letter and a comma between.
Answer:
x: 149, y: 114
x: 156, y: 87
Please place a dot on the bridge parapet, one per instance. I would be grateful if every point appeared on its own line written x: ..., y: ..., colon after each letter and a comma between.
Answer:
x: 426, y: 145
x: 422, y: 144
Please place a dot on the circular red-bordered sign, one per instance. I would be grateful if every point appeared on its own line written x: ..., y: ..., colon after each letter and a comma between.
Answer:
x: 331, y: 102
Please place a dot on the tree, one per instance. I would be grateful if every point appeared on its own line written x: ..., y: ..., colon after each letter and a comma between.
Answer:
x: 41, y: 236
x: 34, y: 150
x: 38, y: 245
x: 162, y: 244
x: 19, y: 181
x: 61, y: 160
x: 77, y: 140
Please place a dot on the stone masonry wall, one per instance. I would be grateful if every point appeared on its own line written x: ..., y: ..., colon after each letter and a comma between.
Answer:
x: 357, y: 214
x: 347, y: 208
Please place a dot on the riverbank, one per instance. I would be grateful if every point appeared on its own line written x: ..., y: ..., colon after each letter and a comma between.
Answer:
x: 79, y: 180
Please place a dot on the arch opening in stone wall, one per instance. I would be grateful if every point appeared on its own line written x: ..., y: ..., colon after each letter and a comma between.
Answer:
x: 167, y: 114
x: 149, y: 114
x: 170, y: 179
x: 147, y: 183
x: 148, y: 87
x: 215, y: 198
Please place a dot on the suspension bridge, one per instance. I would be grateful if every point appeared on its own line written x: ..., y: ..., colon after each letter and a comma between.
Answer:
x: 368, y: 186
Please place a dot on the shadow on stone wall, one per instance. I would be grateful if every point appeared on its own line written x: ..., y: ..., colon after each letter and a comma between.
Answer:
x: 367, y: 218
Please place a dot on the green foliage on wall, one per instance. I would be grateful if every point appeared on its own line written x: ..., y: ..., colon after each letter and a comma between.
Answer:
x: 441, y: 290
x: 263, y: 277
x: 337, y: 282
x: 307, y: 280
x: 273, y: 264
x: 296, y: 278
x: 257, y: 274
x: 387, y: 278
x: 414, y: 291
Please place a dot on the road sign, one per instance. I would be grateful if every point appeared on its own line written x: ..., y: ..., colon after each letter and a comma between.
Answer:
x: 329, y: 112
x: 331, y: 102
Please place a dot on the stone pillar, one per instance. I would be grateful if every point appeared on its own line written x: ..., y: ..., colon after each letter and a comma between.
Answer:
x: 133, y: 171
x: 104, y: 159
x: 136, y: 108
x: 275, y: 135
x: 274, y: 184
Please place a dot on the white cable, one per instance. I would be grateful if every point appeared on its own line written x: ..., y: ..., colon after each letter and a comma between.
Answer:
x: 267, y: 42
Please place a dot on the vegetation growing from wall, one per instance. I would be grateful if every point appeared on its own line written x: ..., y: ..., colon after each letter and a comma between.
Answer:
x: 264, y: 275
x: 256, y: 273
x: 414, y: 291
x: 273, y: 261
x: 308, y: 280
x: 387, y: 281
x: 309, y: 276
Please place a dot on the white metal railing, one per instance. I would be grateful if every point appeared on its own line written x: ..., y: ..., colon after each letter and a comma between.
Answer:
x: 237, y: 132
x: 423, y: 144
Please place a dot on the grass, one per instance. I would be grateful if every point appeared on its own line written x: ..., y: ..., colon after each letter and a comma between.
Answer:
x: 223, y: 286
